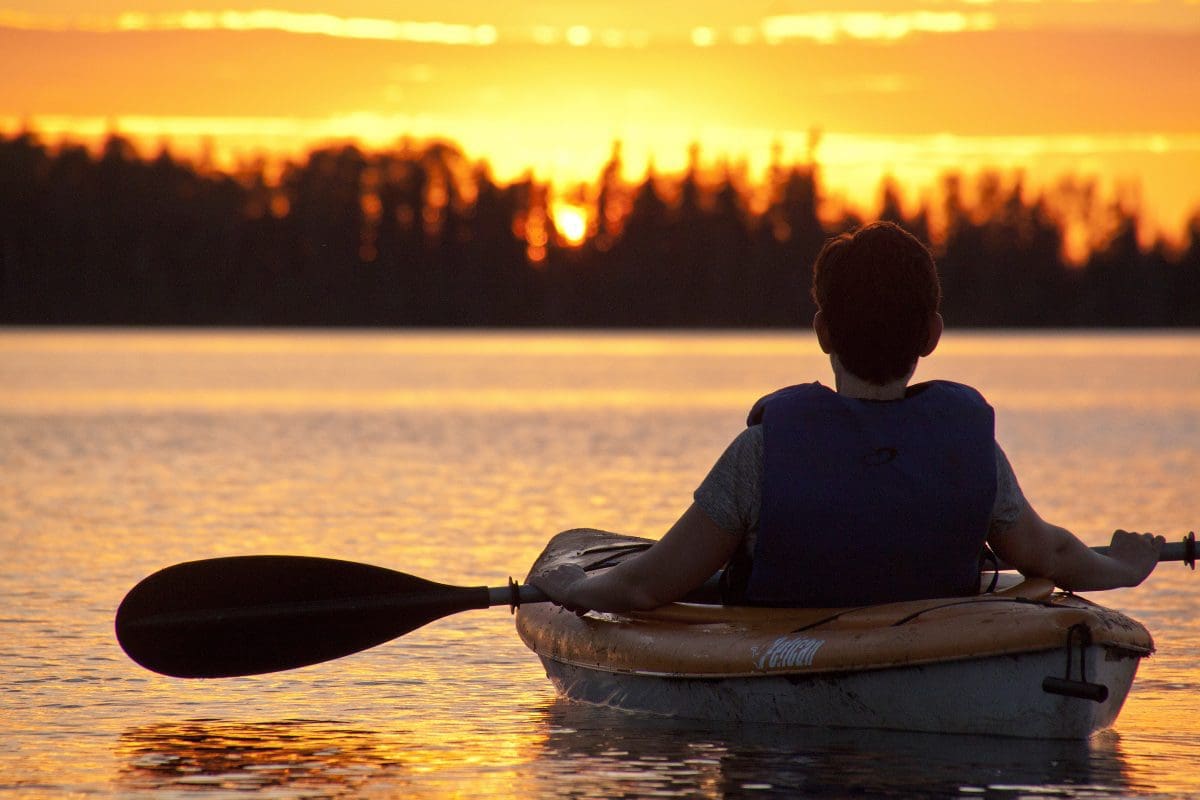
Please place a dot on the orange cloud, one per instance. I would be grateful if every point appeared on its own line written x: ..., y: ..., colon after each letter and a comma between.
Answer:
x: 262, y: 20
x: 829, y: 27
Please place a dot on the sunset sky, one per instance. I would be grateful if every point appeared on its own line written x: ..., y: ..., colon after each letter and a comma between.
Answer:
x: 1105, y: 88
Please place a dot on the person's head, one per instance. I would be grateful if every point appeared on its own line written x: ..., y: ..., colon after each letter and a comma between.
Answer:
x: 877, y: 296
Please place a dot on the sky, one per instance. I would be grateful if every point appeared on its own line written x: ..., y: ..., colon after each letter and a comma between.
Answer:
x: 1107, y: 89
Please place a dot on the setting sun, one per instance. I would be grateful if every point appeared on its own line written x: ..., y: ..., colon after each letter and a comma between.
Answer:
x: 571, y: 223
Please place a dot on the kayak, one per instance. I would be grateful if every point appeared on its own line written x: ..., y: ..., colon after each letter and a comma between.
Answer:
x: 1020, y: 660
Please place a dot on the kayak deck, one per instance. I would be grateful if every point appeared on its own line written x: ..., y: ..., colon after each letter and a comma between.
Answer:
x: 970, y: 664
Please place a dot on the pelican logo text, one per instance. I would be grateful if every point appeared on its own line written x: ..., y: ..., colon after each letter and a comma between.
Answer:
x: 789, y: 652
x: 881, y: 456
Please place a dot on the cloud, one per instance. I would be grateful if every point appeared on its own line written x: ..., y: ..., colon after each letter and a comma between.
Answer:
x: 831, y: 26
x: 263, y: 20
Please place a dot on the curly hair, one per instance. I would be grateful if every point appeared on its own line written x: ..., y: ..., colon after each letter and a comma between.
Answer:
x: 877, y: 289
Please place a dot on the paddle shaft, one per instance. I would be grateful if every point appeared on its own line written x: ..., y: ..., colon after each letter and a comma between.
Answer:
x: 1184, y: 551
x: 525, y: 593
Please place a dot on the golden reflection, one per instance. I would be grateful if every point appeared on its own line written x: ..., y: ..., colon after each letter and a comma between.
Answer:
x: 305, y: 400
x: 512, y: 399
x: 307, y: 758
x: 417, y: 342
x: 1158, y: 720
x: 283, y: 758
x: 1139, y: 345
x: 581, y: 751
x: 31, y: 359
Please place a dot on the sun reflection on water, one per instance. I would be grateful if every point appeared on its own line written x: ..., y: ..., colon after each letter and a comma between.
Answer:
x: 315, y: 758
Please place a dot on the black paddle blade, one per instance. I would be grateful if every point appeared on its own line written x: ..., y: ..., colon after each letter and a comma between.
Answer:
x: 247, y: 615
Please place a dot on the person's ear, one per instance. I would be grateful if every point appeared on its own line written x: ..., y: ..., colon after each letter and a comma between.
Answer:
x: 936, y: 326
x: 822, y: 332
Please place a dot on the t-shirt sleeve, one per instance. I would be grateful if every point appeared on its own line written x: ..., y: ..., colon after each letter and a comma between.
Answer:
x: 1010, y: 500
x: 731, y: 493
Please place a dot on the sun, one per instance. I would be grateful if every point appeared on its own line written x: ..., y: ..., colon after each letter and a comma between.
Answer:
x: 571, y: 223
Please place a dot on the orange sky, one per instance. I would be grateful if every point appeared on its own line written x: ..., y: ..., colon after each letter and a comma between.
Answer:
x: 1107, y: 88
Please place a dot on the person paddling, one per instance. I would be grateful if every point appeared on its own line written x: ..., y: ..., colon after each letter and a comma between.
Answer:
x: 874, y: 491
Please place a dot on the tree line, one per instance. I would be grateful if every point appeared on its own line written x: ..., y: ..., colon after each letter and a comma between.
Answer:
x: 420, y: 235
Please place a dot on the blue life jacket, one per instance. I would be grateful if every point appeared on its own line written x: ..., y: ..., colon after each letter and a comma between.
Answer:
x: 872, y: 501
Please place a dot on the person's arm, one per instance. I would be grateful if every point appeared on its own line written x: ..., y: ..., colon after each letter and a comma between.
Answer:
x: 1042, y: 550
x: 688, y: 555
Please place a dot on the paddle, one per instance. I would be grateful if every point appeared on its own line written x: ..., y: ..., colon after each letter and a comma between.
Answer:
x: 247, y: 615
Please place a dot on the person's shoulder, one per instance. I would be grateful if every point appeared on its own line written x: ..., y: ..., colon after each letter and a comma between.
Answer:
x: 749, y: 440
x: 960, y: 391
x: 800, y: 391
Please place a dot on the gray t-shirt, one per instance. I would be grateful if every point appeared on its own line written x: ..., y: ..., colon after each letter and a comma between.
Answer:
x: 731, y: 494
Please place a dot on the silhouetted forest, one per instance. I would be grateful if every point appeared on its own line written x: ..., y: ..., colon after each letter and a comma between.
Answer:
x: 420, y: 235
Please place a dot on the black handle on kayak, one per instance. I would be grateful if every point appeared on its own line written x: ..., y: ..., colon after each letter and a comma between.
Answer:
x: 1079, y: 636
x: 1083, y: 690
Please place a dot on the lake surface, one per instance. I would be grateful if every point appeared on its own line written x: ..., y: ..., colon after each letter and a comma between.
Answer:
x: 455, y: 456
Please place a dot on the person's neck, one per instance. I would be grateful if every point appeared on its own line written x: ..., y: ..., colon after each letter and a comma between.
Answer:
x: 850, y: 385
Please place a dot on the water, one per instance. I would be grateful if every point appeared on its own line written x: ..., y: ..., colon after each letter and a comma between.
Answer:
x: 455, y: 456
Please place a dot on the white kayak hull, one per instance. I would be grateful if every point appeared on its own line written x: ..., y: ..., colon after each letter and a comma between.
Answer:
x: 1000, y: 696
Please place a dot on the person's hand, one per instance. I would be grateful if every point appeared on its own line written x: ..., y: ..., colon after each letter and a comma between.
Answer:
x: 559, y: 583
x: 1136, y: 552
